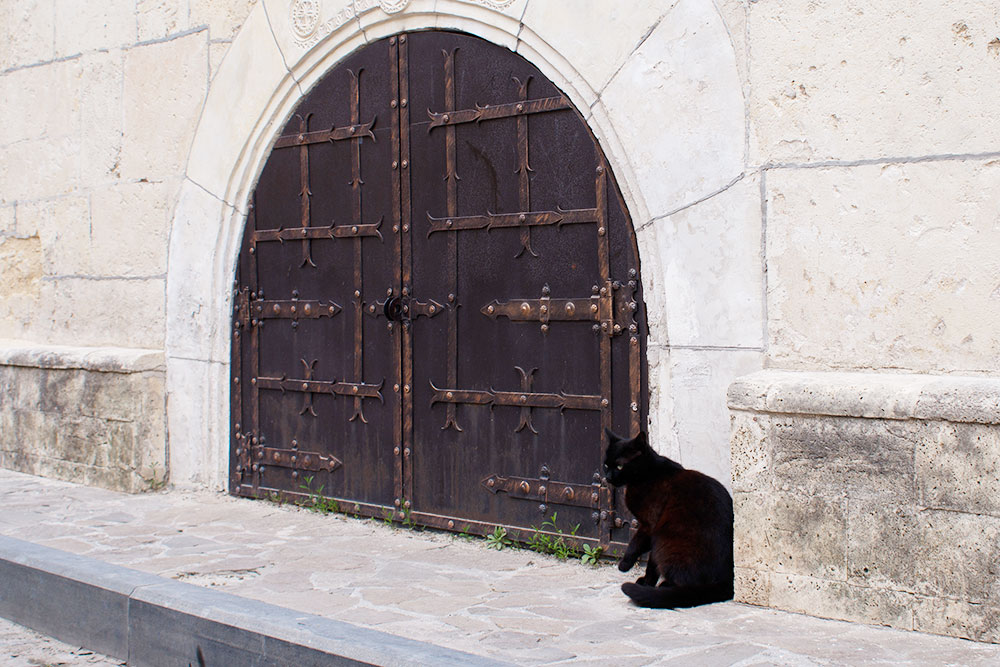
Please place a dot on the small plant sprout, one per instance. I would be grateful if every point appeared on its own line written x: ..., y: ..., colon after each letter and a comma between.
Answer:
x: 591, y: 555
x: 498, y: 539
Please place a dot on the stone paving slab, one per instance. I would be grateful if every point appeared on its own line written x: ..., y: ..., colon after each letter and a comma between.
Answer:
x: 516, y: 606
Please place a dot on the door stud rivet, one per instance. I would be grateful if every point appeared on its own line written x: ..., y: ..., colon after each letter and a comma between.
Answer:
x: 451, y: 525
x: 395, y: 387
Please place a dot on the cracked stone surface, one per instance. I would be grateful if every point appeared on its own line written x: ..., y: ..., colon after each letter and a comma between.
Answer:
x: 511, y: 605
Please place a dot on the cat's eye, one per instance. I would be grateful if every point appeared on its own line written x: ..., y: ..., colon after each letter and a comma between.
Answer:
x: 620, y: 467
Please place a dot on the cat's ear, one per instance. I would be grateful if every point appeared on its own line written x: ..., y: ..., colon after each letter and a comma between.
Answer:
x: 612, y: 438
x: 641, y: 439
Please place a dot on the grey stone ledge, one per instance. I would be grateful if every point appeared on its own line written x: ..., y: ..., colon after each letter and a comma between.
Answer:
x: 869, y: 395
x: 150, y: 620
x: 29, y: 354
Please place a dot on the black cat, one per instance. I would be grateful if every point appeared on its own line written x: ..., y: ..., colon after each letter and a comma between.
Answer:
x: 685, y: 523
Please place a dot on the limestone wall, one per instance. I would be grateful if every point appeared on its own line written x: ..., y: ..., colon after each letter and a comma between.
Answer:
x: 84, y: 414
x: 870, y: 498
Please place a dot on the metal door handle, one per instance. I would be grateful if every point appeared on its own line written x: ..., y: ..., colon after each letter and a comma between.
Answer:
x: 393, y: 309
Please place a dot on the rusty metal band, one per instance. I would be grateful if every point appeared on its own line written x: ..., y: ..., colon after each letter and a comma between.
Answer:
x: 310, y: 386
x: 439, y: 521
x: 406, y: 264
x: 293, y: 309
x: 254, y: 281
x: 491, y: 112
x: 586, y: 309
x: 451, y: 176
x: 546, y: 491
x: 521, y: 219
x: 607, y: 324
x: 240, y: 298
x: 519, y: 399
x: 523, y: 166
x: 397, y: 420
x: 304, y: 138
x: 356, y: 183
x: 305, y: 194
x: 329, y: 232
x: 294, y: 458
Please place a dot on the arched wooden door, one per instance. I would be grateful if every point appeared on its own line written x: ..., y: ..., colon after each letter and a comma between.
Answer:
x: 438, y: 305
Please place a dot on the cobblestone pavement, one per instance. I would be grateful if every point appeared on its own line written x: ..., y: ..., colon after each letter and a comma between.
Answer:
x: 512, y: 605
x: 21, y: 647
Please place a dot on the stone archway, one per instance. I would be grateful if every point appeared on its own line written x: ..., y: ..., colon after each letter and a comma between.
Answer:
x: 682, y: 144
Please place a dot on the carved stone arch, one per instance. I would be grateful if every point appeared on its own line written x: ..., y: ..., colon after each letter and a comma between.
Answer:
x: 265, y: 73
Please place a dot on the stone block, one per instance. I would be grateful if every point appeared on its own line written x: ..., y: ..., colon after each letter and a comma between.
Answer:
x: 883, y: 545
x: 64, y: 230
x: 686, y: 140
x: 959, y: 556
x: 42, y: 101
x: 752, y: 587
x: 101, y: 116
x: 831, y: 456
x: 252, y: 71
x: 29, y: 26
x: 156, y: 19
x: 198, y: 427
x: 915, y: 88
x: 574, y: 29
x: 889, y: 258
x: 750, y: 452
x: 39, y: 168
x: 840, y: 600
x: 957, y: 618
x: 117, y: 311
x: 752, y: 530
x: 130, y: 227
x: 20, y: 282
x: 165, y: 87
x: 102, y: 25
x: 711, y: 287
x: 807, y: 535
x: 222, y: 18
x: 193, y: 301
x: 958, y: 468
x: 698, y: 382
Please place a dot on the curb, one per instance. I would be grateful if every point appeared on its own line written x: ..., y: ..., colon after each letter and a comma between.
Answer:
x: 150, y: 620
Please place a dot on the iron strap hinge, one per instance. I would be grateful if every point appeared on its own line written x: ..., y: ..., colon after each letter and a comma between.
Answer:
x: 547, y: 491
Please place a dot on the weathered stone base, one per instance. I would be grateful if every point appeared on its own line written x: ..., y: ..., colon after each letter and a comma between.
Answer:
x: 870, y: 498
x: 88, y: 415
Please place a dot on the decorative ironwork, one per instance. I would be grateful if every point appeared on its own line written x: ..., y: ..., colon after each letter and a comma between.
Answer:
x: 403, y: 264
x: 293, y: 309
x: 490, y: 112
x: 294, y: 458
x: 305, y: 193
x: 451, y: 178
x: 491, y: 221
x: 562, y: 401
x: 549, y: 492
x: 329, y: 232
x: 353, y: 131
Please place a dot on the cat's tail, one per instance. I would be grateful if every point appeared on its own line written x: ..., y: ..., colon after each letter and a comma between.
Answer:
x: 673, y: 597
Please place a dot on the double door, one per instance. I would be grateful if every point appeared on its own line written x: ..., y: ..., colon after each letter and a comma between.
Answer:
x: 437, y: 307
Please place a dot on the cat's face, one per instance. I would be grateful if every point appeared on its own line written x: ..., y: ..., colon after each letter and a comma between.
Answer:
x: 621, y: 457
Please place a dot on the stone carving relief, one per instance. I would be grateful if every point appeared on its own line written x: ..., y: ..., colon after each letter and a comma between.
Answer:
x: 305, y: 17
x: 310, y: 25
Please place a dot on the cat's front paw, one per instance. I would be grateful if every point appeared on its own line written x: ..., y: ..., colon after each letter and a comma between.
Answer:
x: 625, y: 564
